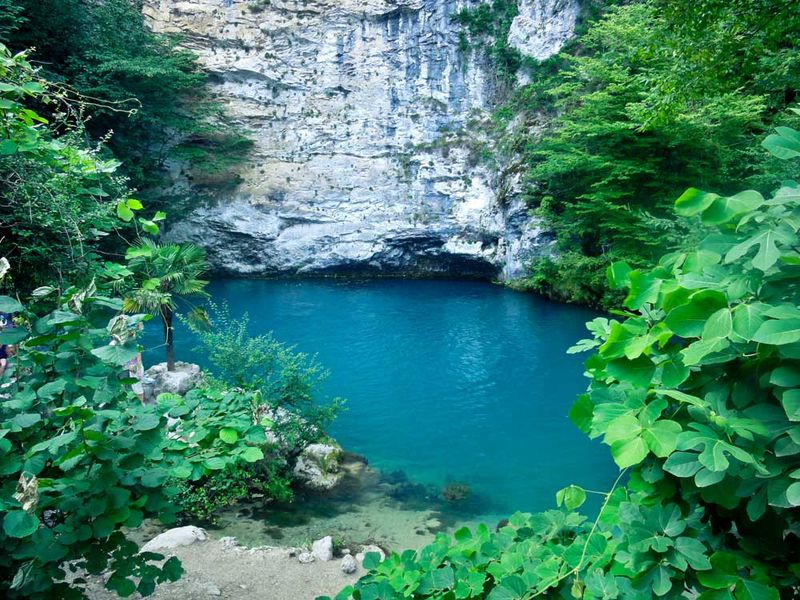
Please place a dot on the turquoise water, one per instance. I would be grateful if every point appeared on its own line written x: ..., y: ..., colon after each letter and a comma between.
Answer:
x: 444, y: 380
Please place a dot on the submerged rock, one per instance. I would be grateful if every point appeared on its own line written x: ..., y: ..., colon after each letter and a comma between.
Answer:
x: 159, y: 380
x: 349, y: 565
x: 322, y: 549
x: 317, y: 467
x: 174, y: 538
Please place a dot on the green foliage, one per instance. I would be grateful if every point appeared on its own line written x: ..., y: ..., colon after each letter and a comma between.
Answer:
x: 56, y: 193
x: 266, y: 480
x: 81, y: 457
x: 694, y: 388
x: 157, y: 276
x: 131, y: 83
x: 489, y: 23
x: 285, y: 380
x: 646, y: 102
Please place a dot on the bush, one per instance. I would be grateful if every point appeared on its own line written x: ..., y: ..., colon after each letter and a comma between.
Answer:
x: 285, y: 381
x: 81, y: 457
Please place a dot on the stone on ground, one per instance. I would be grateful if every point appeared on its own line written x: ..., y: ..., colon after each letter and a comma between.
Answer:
x: 348, y: 564
x: 175, y: 538
x: 322, y: 549
x: 369, y: 548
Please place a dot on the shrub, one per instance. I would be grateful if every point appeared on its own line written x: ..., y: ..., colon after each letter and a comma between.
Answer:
x: 81, y: 457
x: 286, y: 381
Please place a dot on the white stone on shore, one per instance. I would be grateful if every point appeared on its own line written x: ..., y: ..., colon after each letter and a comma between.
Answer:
x: 305, y: 557
x: 369, y: 548
x: 174, y: 538
x: 323, y: 548
x: 349, y: 565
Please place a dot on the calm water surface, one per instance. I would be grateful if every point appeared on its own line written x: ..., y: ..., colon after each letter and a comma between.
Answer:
x: 444, y: 380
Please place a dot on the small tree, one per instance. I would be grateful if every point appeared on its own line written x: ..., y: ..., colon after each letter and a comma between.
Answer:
x: 164, y: 274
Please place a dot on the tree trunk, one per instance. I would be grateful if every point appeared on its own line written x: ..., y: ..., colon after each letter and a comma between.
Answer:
x: 166, y: 319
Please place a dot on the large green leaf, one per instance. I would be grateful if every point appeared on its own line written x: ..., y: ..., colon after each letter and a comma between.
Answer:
x: 791, y: 404
x: 781, y: 146
x: 627, y: 453
x: 228, y: 435
x: 9, y: 305
x: 682, y: 464
x: 662, y: 437
x: 643, y: 289
x: 723, y: 210
x: 689, y: 320
x: 693, y: 202
x: 768, y: 252
x: 778, y: 332
x: 19, y: 524
x: 116, y: 354
x: 719, y: 325
x: 747, y: 318
x: 638, y: 372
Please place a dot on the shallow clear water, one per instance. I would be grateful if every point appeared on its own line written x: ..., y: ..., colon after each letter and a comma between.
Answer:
x: 444, y: 380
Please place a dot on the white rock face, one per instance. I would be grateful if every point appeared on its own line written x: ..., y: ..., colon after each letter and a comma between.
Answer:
x: 322, y: 549
x: 364, y: 115
x: 543, y: 26
x: 174, y: 538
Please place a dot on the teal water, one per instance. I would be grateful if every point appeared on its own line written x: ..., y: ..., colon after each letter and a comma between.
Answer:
x: 444, y: 380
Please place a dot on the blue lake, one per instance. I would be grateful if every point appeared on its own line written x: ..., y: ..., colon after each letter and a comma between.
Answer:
x: 444, y: 380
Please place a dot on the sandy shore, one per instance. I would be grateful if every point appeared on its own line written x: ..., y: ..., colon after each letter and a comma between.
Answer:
x: 213, y: 569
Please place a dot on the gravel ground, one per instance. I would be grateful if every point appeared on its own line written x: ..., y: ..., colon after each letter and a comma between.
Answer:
x: 213, y: 569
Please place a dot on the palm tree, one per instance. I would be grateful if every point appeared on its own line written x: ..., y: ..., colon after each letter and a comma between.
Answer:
x: 166, y: 273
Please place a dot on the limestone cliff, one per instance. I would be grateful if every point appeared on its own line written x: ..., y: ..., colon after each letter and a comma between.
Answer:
x: 365, y: 116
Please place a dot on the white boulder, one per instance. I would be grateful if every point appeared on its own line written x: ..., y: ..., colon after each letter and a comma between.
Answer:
x: 175, y: 538
x: 305, y: 557
x: 369, y: 548
x: 322, y: 549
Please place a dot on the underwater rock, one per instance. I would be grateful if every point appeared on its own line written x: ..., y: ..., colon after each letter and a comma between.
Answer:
x: 349, y: 565
x: 317, y: 467
x: 433, y: 525
x: 174, y: 538
x: 455, y: 491
x: 323, y: 548
x: 159, y: 380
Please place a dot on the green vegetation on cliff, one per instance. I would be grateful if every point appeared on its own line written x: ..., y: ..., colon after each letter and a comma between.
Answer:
x: 652, y: 96
x: 135, y: 91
